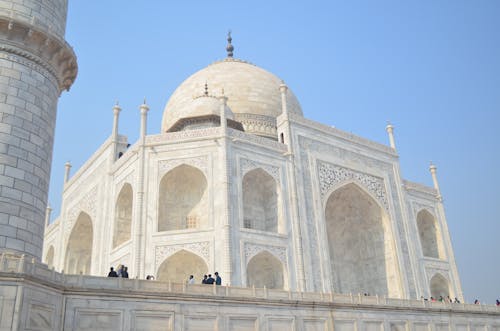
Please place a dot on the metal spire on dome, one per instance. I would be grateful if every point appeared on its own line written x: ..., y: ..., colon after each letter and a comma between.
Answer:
x: 229, y: 47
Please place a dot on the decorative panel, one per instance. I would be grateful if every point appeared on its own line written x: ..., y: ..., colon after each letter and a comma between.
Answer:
x: 199, y: 162
x: 87, y: 204
x: 200, y: 323
x: 99, y: 319
x: 340, y: 325
x: 40, y: 317
x: 421, y: 327
x: 201, y: 249
x: 398, y: 326
x: 331, y: 176
x: 280, y: 324
x: 243, y: 323
x: 148, y: 320
x: 373, y: 326
x: 442, y: 327
x: 247, y: 165
x: 253, y: 249
x: 314, y: 325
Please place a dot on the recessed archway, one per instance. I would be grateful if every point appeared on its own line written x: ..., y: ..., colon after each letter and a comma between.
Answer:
x: 178, y: 267
x: 49, y: 258
x: 183, y: 201
x: 264, y: 269
x: 79, y: 248
x: 362, y: 254
x: 122, y: 226
x: 439, y: 286
x: 429, y: 235
x: 260, y: 201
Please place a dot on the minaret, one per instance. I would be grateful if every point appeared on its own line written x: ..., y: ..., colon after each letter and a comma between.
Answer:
x: 114, y: 133
x: 138, y: 263
x: 433, y: 170
x: 390, y: 131
x: 36, y: 66
x: 223, y: 186
x: 67, y: 169
x: 223, y: 118
x: 48, y: 211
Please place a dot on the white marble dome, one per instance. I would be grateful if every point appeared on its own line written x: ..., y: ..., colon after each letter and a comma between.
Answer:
x: 253, y: 95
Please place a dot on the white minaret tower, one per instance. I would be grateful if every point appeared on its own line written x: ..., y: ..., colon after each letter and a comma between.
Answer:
x: 433, y: 170
x: 36, y: 66
x: 390, y: 131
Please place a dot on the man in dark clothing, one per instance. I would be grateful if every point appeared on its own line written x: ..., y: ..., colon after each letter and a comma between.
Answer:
x: 218, y: 280
x: 125, y: 272
x: 204, y: 280
x: 112, y: 273
x: 210, y: 280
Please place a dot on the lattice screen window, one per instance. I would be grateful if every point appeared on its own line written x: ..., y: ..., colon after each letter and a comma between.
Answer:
x: 247, y: 223
x: 191, y: 222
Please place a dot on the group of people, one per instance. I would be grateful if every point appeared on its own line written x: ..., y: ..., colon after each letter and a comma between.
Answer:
x: 207, y: 279
x: 448, y: 299
x: 121, y: 272
x: 441, y: 299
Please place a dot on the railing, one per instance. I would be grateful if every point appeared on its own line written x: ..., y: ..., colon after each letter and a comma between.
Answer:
x: 29, y: 267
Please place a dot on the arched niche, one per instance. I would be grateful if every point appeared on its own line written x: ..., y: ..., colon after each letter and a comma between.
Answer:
x: 260, y: 201
x: 362, y: 253
x: 264, y: 269
x: 178, y: 267
x: 79, y: 248
x: 439, y: 286
x: 122, y: 226
x: 430, y: 238
x: 49, y: 258
x: 183, y: 200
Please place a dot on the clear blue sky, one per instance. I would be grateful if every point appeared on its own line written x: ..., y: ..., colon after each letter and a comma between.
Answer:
x: 430, y: 67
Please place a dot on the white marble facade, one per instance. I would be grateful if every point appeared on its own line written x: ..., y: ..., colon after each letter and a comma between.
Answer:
x: 239, y: 181
x: 299, y: 218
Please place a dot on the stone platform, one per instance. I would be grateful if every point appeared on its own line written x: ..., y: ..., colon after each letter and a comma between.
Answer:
x: 33, y: 297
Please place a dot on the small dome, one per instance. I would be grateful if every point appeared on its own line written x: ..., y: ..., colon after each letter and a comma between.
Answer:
x: 206, y: 105
x: 253, y: 95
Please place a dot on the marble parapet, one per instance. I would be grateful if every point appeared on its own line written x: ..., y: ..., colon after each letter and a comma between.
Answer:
x: 13, y: 267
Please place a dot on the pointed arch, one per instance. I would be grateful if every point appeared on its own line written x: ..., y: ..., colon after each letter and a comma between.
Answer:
x: 49, y: 258
x: 429, y: 234
x: 122, y: 225
x: 79, y: 248
x: 177, y: 267
x: 439, y: 286
x: 361, y: 244
x: 264, y: 269
x: 183, y: 199
x: 260, y: 201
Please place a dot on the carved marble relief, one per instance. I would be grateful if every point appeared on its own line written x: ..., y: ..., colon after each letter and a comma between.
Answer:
x: 199, y: 162
x: 331, y: 175
x: 253, y: 249
x: 87, y: 204
x: 201, y: 249
x: 247, y: 165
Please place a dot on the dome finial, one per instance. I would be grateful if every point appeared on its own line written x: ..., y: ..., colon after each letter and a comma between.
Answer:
x: 229, y: 47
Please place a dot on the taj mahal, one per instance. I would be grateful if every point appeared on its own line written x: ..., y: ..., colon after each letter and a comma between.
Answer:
x: 241, y: 182
x: 310, y: 227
